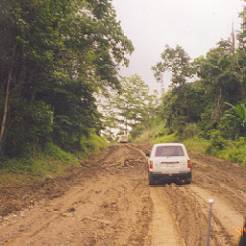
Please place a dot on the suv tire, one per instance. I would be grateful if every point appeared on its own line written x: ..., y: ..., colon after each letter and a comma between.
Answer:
x: 151, y: 179
x: 188, y: 181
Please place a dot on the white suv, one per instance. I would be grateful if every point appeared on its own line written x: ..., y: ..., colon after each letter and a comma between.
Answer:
x: 170, y: 162
x: 123, y: 139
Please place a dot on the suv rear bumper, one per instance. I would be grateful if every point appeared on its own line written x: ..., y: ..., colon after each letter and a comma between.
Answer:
x: 171, y: 177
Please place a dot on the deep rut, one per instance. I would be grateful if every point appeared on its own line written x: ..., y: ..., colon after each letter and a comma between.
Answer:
x: 110, y: 203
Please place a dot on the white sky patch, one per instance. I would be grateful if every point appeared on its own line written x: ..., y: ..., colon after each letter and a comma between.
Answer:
x: 196, y: 25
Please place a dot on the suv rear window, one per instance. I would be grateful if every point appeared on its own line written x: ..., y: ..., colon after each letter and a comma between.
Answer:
x: 169, y: 151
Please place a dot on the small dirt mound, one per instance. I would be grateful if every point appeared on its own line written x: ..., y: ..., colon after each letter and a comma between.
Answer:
x: 122, y: 156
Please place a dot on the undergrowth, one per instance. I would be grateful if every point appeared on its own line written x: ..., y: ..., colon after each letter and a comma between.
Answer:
x: 232, y: 150
x: 50, y: 162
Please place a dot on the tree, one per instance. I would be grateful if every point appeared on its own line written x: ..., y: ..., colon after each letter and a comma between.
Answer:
x: 220, y: 77
x: 133, y: 105
x: 238, y: 114
x: 241, y: 54
x: 177, y: 61
x: 55, y: 56
x: 242, y: 34
x: 183, y: 105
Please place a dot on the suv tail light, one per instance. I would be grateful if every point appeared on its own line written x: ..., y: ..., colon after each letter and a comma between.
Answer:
x: 189, y: 164
x: 151, y: 165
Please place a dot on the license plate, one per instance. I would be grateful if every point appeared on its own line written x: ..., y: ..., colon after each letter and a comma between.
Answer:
x: 169, y: 163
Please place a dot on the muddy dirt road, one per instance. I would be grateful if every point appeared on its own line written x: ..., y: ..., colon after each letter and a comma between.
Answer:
x: 108, y: 202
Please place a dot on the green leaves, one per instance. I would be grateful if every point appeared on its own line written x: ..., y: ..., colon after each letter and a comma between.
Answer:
x: 220, y: 77
x: 66, y: 51
x: 242, y: 34
x: 133, y: 105
x: 238, y: 113
x: 176, y: 61
x: 183, y: 105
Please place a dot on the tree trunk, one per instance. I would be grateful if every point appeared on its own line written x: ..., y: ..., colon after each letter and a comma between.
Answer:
x: 6, y: 101
x: 126, y: 126
x: 5, y: 110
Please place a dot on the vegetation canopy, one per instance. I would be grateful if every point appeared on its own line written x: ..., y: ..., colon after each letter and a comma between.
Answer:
x: 55, y: 57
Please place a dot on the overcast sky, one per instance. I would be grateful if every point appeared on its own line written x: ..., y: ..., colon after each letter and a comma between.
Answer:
x: 196, y: 25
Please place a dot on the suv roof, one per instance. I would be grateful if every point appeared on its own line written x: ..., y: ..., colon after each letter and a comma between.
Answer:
x: 169, y: 144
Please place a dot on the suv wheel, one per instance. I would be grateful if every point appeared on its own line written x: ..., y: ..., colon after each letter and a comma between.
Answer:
x: 188, y: 181
x: 151, y: 179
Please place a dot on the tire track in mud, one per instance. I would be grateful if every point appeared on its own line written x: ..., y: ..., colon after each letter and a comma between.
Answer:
x: 226, y: 182
x: 190, y: 212
x: 111, y: 205
x: 163, y: 229
x: 221, y: 180
x: 187, y: 214
x: 224, y: 218
x: 224, y: 179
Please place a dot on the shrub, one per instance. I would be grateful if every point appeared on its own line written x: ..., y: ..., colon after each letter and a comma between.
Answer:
x: 90, y: 143
x: 191, y: 130
x: 233, y: 122
x: 197, y: 144
x: 166, y: 138
x: 217, y: 142
x: 32, y: 125
x: 229, y: 128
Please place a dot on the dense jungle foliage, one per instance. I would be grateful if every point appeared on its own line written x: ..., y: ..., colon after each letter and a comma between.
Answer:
x: 60, y: 86
x: 56, y: 56
x: 207, y: 96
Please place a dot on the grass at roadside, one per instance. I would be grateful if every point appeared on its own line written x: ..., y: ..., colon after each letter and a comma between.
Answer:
x: 198, y: 145
x: 91, y: 144
x: 156, y: 134
x: 234, y: 151
x: 50, y: 162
